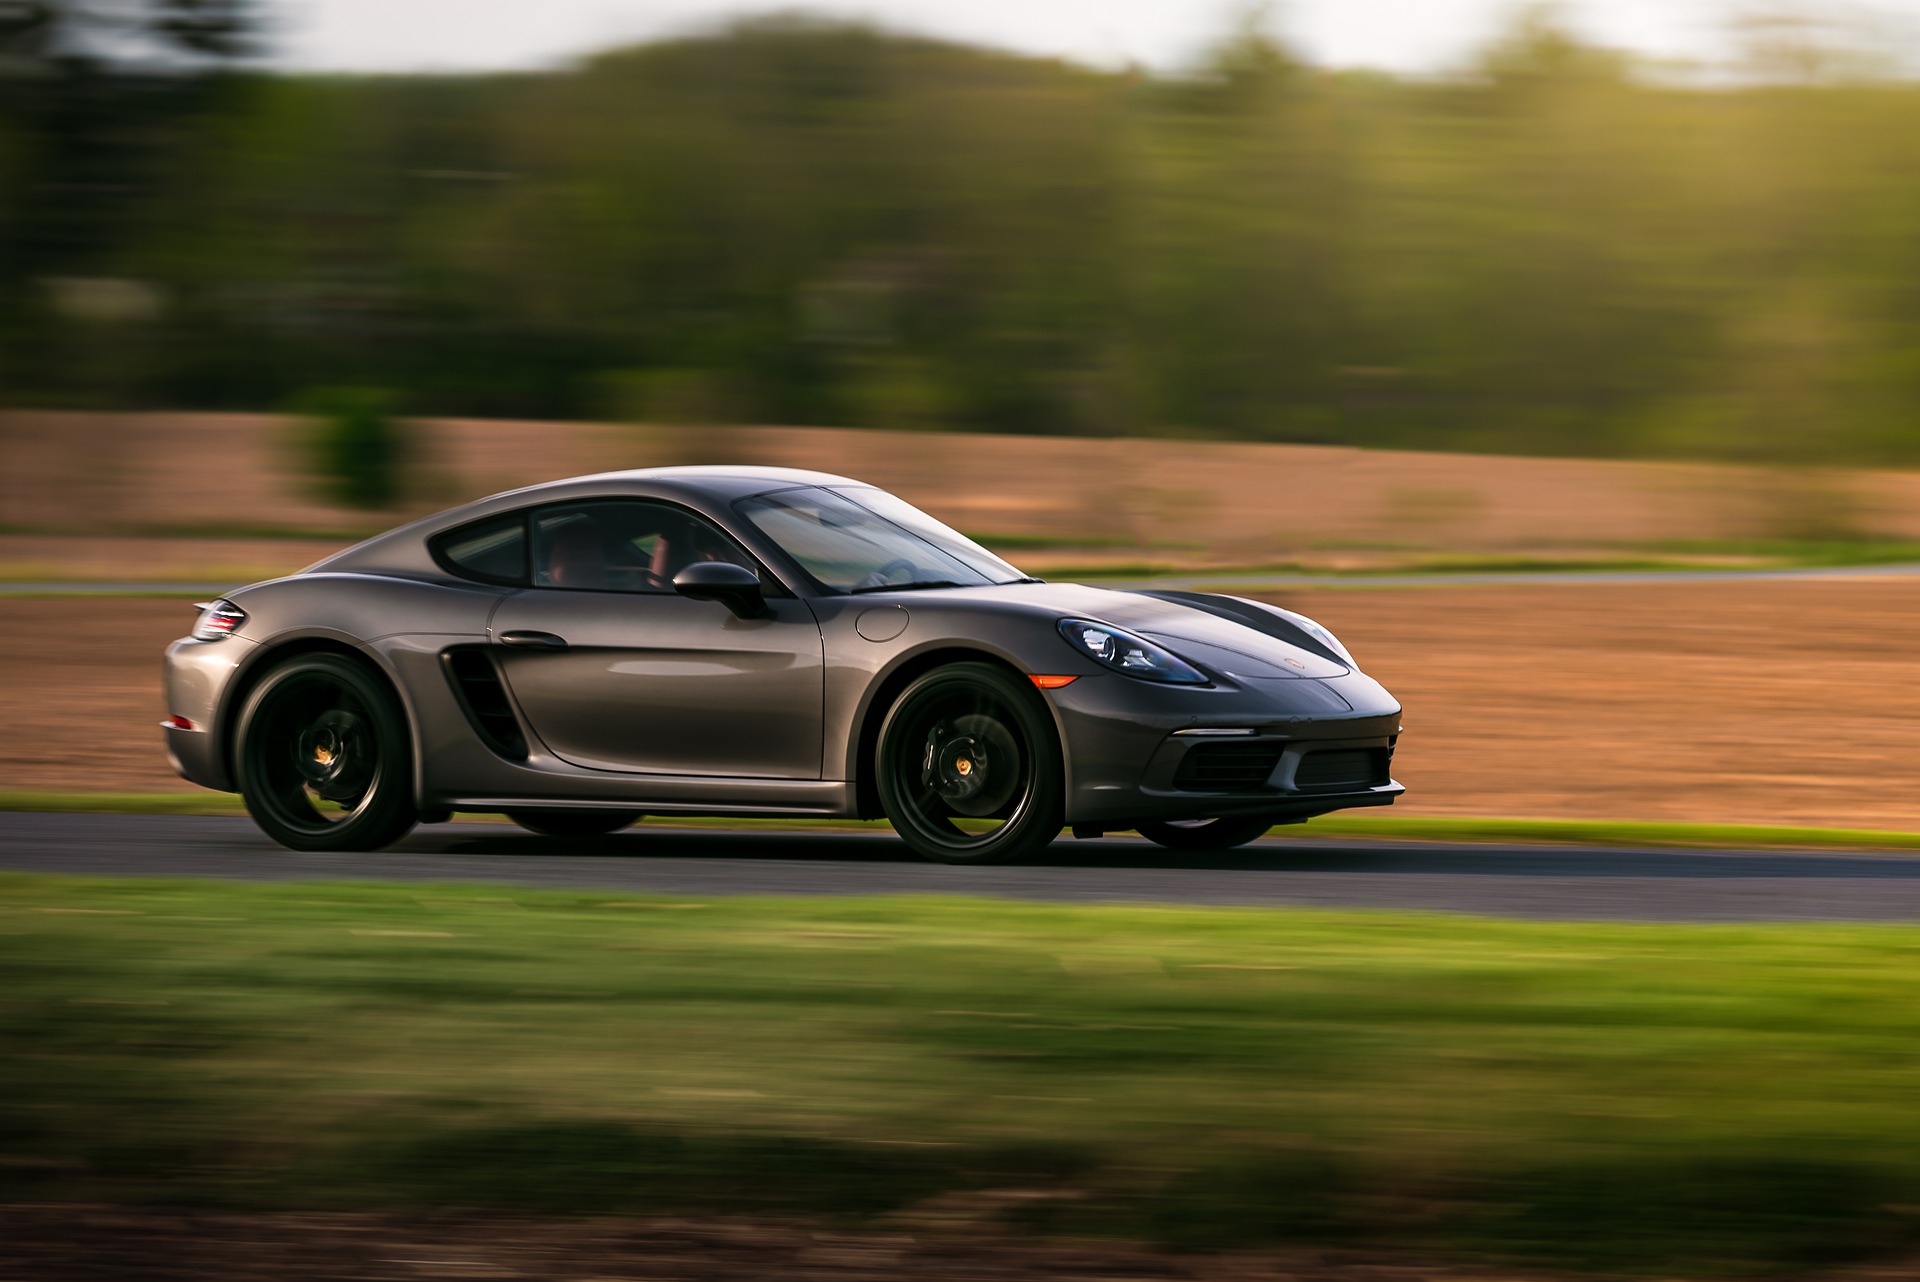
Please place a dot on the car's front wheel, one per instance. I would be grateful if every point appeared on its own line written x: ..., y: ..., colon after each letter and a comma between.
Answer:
x: 1203, y: 834
x: 322, y: 760
x: 573, y: 823
x: 968, y: 771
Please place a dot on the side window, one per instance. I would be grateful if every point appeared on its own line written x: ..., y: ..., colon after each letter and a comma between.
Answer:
x: 623, y: 545
x: 492, y: 551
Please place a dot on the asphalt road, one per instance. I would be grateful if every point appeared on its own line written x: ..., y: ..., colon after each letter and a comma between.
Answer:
x: 1514, y: 881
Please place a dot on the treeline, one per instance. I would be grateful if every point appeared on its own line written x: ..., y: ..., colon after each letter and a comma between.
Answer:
x: 797, y: 221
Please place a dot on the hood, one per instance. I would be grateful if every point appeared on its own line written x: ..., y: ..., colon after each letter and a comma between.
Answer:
x: 1242, y: 639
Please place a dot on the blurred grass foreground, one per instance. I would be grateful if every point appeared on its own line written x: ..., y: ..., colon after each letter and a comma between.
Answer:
x: 1685, y: 1100
x: 1554, y: 249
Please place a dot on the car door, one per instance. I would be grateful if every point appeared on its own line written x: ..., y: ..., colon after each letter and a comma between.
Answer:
x: 616, y: 671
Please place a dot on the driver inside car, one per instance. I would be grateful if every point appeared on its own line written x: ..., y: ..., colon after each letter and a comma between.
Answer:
x: 576, y: 556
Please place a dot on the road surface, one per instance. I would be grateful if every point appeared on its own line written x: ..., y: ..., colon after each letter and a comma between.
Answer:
x: 1514, y: 881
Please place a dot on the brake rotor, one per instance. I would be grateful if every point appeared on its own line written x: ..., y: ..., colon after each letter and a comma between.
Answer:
x: 332, y: 756
x: 973, y: 765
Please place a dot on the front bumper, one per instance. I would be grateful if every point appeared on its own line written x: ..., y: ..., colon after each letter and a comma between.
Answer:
x: 1129, y: 746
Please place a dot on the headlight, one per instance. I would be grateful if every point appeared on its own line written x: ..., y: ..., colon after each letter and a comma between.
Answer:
x: 218, y: 620
x: 1125, y: 652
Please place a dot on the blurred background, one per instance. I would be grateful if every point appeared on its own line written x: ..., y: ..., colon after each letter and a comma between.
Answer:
x: 1539, y: 246
x: 1564, y: 361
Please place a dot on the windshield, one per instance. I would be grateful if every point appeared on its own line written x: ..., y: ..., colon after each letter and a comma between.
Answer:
x: 859, y: 539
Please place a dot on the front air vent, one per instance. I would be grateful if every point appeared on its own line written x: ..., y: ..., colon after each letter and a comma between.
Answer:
x: 1227, y: 767
x: 476, y: 683
x: 1343, y: 768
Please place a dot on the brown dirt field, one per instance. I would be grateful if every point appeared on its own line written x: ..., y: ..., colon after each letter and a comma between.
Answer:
x: 55, y: 558
x: 1776, y: 702
x: 82, y: 697
x: 1781, y: 702
x: 1168, y: 500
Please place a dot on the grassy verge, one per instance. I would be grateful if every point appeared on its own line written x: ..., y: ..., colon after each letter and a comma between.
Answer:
x: 1356, y: 826
x: 1617, y: 1097
x: 1055, y: 559
x: 118, y: 594
x: 123, y: 803
x: 1653, y: 559
x: 1603, y: 832
x: 1795, y: 552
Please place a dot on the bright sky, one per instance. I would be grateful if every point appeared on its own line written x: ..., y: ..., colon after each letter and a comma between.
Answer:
x: 1417, y: 35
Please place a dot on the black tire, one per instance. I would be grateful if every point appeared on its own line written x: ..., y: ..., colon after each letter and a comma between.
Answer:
x: 323, y: 759
x: 1204, y: 834
x: 968, y: 767
x: 573, y: 823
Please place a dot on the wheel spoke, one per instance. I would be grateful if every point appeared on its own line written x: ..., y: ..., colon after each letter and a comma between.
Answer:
x: 320, y: 760
x: 968, y: 777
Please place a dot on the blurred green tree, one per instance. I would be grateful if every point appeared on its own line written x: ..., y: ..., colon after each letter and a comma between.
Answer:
x: 804, y: 220
x: 100, y: 99
x: 356, y: 450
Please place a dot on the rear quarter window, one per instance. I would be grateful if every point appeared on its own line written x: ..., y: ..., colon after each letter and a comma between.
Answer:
x: 491, y: 551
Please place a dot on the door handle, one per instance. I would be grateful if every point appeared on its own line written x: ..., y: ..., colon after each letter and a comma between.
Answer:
x: 533, y: 640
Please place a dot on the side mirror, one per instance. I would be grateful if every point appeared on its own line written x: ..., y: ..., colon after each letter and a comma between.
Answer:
x: 734, y: 586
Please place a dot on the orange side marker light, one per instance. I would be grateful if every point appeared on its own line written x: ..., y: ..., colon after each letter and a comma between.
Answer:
x: 1052, y: 683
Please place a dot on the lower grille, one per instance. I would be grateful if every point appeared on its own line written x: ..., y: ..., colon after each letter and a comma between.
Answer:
x: 1342, y: 768
x: 1227, y: 767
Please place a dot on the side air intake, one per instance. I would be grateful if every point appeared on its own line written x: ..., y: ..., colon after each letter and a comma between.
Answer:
x: 476, y: 683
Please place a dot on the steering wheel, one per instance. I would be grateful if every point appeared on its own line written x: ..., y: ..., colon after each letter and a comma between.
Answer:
x: 643, y: 574
x: 878, y: 578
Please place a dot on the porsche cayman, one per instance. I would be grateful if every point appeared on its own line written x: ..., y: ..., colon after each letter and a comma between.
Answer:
x: 765, y: 642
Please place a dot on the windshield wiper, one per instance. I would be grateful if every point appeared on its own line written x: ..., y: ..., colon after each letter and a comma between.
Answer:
x: 905, y: 587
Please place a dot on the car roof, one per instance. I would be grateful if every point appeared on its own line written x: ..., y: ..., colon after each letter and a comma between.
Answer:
x: 730, y: 480
x: 713, y: 486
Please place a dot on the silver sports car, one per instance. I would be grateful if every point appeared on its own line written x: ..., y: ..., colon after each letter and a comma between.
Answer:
x: 758, y: 641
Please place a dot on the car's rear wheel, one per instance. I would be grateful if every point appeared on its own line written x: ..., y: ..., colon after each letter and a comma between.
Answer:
x: 573, y: 823
x: 1203, y: 834
x: 323, y: 761
x: 967, y: 767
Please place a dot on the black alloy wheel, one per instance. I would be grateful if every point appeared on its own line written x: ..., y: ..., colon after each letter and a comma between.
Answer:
x: 574, y: 823
x: 968, y: 768
x: 1203, y: 834
x: 324, y: 761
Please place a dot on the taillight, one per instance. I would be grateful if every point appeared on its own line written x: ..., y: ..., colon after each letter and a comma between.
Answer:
x: 217, y: 620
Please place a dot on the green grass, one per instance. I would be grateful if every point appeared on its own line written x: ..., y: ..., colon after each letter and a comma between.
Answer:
x: 1063, y: 572
x: 241, y: 530
x: 123, y: 803
x: 1667, y: 1099
x: 1651, y: 558
x: 1796, y: 552
x: 208, y: 530
x: 1524, y: 564
x: 1602, y: 832
x: 31, y: 578
x: 1359, y: 825
x: 1439, y: 569
x: 62, y: 594
x: 1050, y: 542
x: 1083, y: 543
